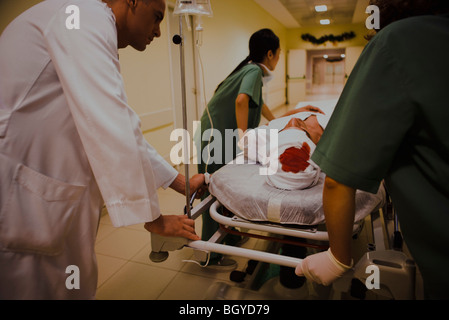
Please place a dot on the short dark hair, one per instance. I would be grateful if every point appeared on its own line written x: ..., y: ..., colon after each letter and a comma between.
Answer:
x: 393, y: 10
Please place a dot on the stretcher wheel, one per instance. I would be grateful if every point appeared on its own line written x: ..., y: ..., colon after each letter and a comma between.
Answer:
x: 252, y: 264
x: 358, y: 289
x: 237, y: 276
x: 158, y: 256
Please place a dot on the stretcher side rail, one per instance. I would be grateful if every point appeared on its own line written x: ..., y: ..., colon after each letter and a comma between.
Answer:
x: 311, y: 233
x: 162, y: 245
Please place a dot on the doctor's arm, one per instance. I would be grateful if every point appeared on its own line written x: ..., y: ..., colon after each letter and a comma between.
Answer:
x: 339, y: 210
x: 196, y: 183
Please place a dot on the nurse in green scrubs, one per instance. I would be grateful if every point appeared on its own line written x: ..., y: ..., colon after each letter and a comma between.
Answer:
x: 391, y: 123
x: 237, y: 104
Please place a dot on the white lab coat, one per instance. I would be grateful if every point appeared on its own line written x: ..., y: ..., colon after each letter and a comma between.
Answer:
x: 68, y: 144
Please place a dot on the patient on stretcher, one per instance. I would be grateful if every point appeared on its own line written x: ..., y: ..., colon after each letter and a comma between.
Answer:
x: 241, y: 188
x: 297, y: 136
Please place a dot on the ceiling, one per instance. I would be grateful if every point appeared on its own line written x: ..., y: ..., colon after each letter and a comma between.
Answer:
x: 301, y: 13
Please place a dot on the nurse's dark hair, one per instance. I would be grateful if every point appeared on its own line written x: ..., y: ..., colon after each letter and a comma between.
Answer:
x: 393, y: 10
x: 260, y: 43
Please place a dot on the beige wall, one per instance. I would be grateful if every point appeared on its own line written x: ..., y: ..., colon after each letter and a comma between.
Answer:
x: 9, y: 9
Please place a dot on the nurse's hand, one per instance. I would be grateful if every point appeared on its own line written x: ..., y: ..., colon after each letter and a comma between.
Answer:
x: 322, y: 268
x: 173, y: 226
x: 307, y: 108
x: 310, y: 108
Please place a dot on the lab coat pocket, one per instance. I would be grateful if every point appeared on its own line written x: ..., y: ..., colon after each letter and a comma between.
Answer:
x: 38, y: 213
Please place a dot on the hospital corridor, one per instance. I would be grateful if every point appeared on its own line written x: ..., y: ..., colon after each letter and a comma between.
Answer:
x: 224, y: 150
x: 127, y: 273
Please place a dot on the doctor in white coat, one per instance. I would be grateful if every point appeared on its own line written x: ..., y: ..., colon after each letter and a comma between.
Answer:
x: 70, y: 143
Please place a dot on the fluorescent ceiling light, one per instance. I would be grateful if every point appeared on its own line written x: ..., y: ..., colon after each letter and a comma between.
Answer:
x: 321, y: 8
x: 325, y: 21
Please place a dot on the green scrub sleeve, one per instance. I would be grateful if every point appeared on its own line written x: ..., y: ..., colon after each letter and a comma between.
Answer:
x: 369, y: 122
x: 251, y: 85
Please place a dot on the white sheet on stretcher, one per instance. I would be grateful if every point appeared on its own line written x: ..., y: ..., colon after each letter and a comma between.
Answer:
x: 242, y: 190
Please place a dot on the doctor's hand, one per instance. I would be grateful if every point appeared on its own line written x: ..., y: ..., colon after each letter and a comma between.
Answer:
x: 322, y: 268
x: 197, y: 182
x: 173, y: 226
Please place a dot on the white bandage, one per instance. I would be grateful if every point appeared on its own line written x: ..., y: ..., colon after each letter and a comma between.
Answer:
x: 206, y: 178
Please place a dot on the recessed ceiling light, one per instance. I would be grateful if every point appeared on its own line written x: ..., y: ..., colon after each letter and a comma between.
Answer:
x: 321, y: 8
x: 325, y: 21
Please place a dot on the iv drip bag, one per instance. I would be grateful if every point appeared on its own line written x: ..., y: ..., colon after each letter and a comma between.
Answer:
x: 193, y: 7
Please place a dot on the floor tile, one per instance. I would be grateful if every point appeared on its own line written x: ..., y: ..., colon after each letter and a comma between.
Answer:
x: 107, y: 266
x: 122, y: 243
x: 187, y: 286
x: 136, y: 281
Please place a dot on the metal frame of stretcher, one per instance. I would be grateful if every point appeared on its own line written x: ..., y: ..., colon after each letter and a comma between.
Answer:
x: 162, y: 245
x: 397, y: 269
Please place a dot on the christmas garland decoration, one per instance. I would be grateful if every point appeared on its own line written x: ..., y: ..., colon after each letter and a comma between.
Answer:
x: 330, y: 37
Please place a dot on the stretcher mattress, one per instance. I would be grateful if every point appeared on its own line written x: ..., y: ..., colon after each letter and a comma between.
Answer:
x: 241, y: 189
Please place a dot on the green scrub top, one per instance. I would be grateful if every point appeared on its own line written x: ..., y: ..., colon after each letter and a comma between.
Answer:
x: 247, y: 80
x: 392, y: 122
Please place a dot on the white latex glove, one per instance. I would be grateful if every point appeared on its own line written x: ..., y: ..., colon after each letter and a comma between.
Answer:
x: 322, y: 268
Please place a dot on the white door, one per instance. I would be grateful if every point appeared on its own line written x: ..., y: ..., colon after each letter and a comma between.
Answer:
x: 296, y: 75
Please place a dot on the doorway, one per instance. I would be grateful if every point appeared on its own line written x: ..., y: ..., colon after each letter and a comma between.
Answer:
x: 326, y: 70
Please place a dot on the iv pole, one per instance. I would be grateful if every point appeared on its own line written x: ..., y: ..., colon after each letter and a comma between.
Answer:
x: 179, y: 40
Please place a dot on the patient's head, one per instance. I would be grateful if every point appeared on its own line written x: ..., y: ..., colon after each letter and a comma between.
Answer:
x: 311, y: 126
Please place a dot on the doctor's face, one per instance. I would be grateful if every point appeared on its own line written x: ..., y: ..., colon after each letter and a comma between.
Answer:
x: 144, y: 21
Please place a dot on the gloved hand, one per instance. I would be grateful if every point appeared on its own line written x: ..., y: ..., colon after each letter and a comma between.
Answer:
x: 322, y: 268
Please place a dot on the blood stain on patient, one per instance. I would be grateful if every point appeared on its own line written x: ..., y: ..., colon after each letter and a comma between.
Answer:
x: 295, y: 159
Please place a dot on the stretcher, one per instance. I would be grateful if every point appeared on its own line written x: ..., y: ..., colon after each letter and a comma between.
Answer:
x: 237, y: 191
x: 397, y: 270
x: 242, y: 203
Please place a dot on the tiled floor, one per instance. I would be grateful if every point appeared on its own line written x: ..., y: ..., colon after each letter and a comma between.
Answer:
x: 126, y: 272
